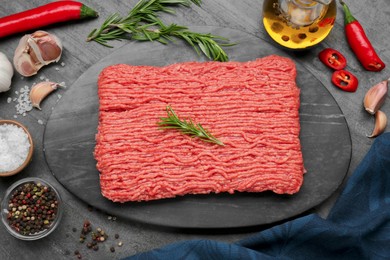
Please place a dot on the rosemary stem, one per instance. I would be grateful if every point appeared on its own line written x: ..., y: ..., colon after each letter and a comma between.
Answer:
x: 188, y: 127
x: 143, y: 24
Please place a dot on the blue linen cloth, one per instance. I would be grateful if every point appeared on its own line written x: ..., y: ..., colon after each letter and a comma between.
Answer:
x: 358, y: 226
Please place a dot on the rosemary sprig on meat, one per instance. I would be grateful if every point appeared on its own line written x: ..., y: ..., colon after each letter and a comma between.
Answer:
x: 188, y: 127
x: 143, y: 24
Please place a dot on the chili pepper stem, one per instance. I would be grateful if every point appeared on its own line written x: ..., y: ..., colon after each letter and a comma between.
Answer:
x: 86, y: 12
x: 348, y: 15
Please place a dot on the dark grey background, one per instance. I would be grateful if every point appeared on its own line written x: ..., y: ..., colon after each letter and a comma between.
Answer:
x: 78, y: 56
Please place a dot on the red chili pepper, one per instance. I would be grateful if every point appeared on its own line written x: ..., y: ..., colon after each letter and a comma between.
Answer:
x: 59, y: 11
x: 360, y: 44
x: 345, y: 80
x: 333, y: 59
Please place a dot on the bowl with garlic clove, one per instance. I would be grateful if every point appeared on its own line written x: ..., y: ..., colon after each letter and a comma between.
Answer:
x: 16, y: 147
x: 35, y: 51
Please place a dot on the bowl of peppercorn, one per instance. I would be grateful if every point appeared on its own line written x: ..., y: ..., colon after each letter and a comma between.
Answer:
x: 31, y: 209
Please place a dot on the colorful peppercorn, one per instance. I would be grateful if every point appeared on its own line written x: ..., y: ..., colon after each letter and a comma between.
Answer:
x: 32, y: 208
x: 94, y: 237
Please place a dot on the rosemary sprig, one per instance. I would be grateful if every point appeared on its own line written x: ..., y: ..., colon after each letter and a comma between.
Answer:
x: 187, y: 127
x: 143, y: 24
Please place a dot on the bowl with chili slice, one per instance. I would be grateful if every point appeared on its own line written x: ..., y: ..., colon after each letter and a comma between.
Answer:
x: 31, y: 209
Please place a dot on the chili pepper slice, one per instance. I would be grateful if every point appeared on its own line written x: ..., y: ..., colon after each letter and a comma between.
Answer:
x: 333, y: 59
x: 55, y: 12
x: 345, y: 80
x: 359, y: 42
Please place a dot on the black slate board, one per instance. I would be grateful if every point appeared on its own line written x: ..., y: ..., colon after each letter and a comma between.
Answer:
x: 326, y: 144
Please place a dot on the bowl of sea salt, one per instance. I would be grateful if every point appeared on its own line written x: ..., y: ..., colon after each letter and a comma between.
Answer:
x: 16, y: 147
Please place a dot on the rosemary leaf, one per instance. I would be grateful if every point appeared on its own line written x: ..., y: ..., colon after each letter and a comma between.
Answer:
x: 188, y: 127
x: 143, y: 24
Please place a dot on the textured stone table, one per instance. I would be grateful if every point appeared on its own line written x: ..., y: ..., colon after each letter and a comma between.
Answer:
x: 78, y: 56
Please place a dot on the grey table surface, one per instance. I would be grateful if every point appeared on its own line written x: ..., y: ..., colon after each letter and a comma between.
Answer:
x: 244, y: 15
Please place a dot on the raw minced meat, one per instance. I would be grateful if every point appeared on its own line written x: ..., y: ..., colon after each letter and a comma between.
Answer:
x: 252, y: 107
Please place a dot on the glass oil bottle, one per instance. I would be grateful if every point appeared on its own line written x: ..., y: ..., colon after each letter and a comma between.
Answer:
x: 299, y: 24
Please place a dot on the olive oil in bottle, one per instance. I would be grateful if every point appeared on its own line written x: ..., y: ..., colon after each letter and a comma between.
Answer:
x: 298, y: 24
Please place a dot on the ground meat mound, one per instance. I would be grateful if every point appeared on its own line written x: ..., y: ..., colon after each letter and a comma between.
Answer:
x: 252, y: 107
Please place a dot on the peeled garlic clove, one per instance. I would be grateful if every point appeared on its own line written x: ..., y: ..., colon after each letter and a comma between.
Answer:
x: 380, y: 124
x: 40, y: 91
x: 35, y: 51
x: 375, y: 97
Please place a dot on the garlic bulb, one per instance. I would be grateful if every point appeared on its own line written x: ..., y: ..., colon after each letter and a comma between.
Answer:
x: 6, y: 73
x: 35, y: 51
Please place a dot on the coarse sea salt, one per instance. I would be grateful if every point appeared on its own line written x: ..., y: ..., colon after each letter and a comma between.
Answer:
x: 23, y: 103
x: 14, y: 147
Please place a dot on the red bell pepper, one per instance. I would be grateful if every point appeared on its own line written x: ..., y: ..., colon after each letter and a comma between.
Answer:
x: 345, y: 80
x: 333, y: 59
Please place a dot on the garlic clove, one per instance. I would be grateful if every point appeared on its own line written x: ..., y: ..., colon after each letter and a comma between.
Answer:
x: 380, y: 124
x: 22, y: 61
x: 25, y: 66
x: 35, y: 51
x: 40, y: 91
x: 45, y: 48
x: 375, y: 97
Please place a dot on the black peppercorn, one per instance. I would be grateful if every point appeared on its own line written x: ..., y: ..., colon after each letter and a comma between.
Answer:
x: 27, y: 212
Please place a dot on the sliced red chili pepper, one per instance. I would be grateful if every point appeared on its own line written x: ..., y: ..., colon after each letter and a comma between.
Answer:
x: 345, y: 80
x: 333, y: 59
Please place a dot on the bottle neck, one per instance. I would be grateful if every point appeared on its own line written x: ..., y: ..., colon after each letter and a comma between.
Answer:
x: 301, y: 12
x: 304, y: 3
x: 324, y: 2
x: 311, y: 3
